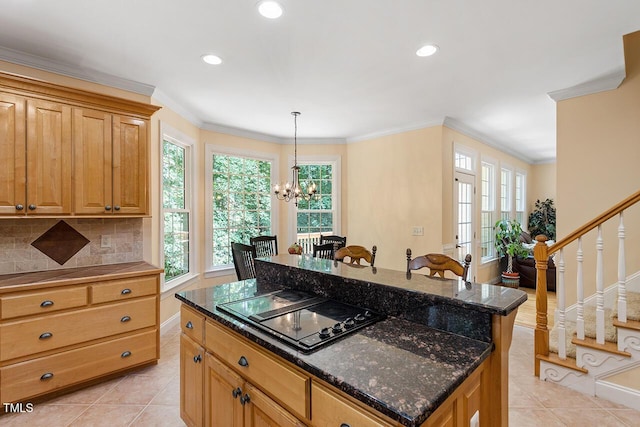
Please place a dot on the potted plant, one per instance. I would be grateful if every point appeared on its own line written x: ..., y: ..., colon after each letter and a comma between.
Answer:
x: 543, y: 219
x: 509, y: 245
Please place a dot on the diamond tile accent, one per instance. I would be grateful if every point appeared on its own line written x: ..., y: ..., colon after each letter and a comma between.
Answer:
x: 60, y: 242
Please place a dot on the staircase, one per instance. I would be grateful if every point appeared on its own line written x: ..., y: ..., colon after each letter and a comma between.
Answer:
x: 594, y: 346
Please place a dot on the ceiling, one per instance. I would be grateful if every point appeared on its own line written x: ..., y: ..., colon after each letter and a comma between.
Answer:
x: 348, y: 65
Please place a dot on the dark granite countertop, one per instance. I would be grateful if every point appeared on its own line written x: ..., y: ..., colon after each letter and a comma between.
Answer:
x: 361, y: 280
x: 401, y: 368
x: 69, y: 276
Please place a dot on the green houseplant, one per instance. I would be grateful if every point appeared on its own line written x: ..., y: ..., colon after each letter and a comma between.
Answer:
x: 543, y: 219
x: 508, y: 244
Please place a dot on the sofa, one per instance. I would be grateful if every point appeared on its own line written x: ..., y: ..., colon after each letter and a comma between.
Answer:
x: 526, y: 266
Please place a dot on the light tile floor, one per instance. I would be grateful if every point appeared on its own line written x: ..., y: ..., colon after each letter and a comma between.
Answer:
x: 151, y: 397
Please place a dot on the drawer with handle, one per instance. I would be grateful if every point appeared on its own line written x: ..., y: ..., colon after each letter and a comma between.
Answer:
x: 39, y: 376
x: 44, y: 333
x: 192, y: 324
x: 41, y: 302
x: 329, y: 409
x: 287, y: 386
x: 116, y: 290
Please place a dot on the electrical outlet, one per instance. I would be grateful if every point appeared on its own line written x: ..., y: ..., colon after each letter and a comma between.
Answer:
x: 105, y: 241
x: 417, y: 231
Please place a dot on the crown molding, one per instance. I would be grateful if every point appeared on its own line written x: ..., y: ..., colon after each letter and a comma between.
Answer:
x: 393, y: 131
x: 243, y: 133
x: 479, y: 136
x: 170, y: 103
x: 600, y: 84
x: 57, y: 67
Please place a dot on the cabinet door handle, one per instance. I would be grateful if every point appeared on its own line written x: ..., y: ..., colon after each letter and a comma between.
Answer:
x: 46, y: 303
x: 344, y: 425
x: 125, y: 291
x: 197, y: 359
x: 116, y: 208
x: 45, y: 335
x: 125, y: 319
x: 245, y: 399
x: 243, y: 361
x: 107, y: 208
x: 237, y: 392
x: 189, y: 325
x: 125, y: 354
x: 32, y: 207
x: 19, y: 207
x: 46, y: 376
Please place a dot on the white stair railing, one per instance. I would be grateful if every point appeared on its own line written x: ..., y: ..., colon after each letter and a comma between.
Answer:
x: 622, y: 274
x: 541, y: 255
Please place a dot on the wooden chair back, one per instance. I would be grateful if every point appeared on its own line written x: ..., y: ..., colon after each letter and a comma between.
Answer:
x: 265, y: 245
x: 243, y: 256
x: 341, y: 240
x: 439, y: 263
x: 356, y: 253
x: 326, y: 250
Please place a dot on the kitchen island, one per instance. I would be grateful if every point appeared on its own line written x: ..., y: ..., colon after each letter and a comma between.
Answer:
x: 440, y: 353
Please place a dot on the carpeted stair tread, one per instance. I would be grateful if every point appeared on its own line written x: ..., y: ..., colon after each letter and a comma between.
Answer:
x: 633, y: 306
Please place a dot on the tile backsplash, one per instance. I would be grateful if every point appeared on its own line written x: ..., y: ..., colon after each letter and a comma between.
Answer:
x: 123, y: 235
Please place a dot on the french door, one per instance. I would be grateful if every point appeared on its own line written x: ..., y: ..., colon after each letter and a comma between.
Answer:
x: 464, y: 207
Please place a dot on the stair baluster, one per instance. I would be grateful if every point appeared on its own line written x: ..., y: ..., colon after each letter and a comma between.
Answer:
x: 580, y: 282
x: 599, y: 288
x: 562, y: 332
x: 622, y: 274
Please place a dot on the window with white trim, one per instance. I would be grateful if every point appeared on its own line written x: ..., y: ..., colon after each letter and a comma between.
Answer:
x: 505, y: 194
x: 488, y: 197
x: 239, y: 201
x: 520, y: 195
x: 177, y: 198
x: 320, y: 214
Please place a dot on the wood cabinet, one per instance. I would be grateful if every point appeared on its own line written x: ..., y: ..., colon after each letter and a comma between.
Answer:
x: 36, y: 142
x: 71, y: 152
x: 192, y: 371
x: 110, y: 163
x: 242, y: 384
x: 62, y: 334
x: 234, y: 402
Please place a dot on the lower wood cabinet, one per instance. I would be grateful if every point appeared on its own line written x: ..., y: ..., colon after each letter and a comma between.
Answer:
x: 55, y: 335
x: 234, y: 402
x: 191, y: 381
x: 227, y: 381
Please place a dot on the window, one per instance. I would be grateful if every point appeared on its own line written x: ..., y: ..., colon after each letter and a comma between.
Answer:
x: 176, y: 208
x: 463, y: 161
x: 520, y: 198
x: 488, y: 208
x: 505, y: 194
x: 319, y: 215
x: 240, y: 203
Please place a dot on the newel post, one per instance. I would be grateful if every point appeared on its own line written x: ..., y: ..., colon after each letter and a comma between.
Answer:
x: 541, y: 333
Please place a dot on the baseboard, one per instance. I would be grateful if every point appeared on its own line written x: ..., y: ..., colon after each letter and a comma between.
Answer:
x: 618, y: 394
x: 170, y: 323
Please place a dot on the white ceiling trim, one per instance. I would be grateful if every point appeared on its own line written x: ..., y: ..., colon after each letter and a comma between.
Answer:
x: 478, y: 136
x: 89, y: 75
x: 167, y: 101
x: 599, y: 84
x: 407, y: 128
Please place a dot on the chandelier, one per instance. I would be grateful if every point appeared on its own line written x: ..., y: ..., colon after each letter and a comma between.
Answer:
x: 292, y: 190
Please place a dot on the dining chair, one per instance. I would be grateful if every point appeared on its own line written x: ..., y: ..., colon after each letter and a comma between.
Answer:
x: 325, y: 250
x: 243, y: 256
x: 265, y: 245
x: 341, y: 240
x: 439, y: 263
x: 356, y: 253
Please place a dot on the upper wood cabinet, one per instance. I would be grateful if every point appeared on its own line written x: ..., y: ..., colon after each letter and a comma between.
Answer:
x: 69, y: 152
x: 35, y: 148
x: 110, y: 164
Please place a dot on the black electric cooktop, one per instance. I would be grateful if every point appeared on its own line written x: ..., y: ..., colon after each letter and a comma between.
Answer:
x: 302, y: 320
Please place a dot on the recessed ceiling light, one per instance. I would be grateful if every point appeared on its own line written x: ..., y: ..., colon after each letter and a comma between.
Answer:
x: 270, y: 9
x: 212, y: 59
x: 427, y: 50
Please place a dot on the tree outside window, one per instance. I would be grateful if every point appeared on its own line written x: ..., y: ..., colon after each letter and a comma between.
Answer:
x: 176, y: 209
x: 241, y: 203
